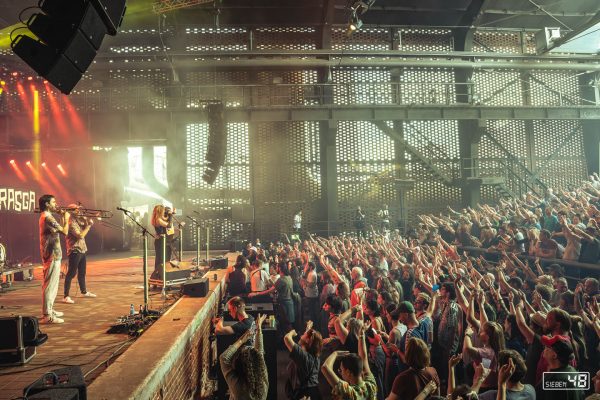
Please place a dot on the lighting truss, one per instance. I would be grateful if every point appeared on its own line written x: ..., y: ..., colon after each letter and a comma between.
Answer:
x: 161, y: 6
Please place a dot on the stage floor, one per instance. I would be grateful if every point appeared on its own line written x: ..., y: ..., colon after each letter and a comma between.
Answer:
x: 82, y: 340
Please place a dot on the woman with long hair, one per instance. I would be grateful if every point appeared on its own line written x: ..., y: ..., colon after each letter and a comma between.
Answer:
x: 408, y: 384
x: 492, y: 338
x: 244, y: 367
x: 160, y: 222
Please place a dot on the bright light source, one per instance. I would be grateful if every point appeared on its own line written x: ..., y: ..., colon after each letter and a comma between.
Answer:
x: 28, y: 163
x: 44, y: 164
x: 2, y: 83
x: 15, y: 74
x: 61, y: 169
x: 30, y: 78
x: 12, y: 162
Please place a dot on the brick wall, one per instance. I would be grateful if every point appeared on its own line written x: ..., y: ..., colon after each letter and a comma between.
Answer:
x: 171, y: 360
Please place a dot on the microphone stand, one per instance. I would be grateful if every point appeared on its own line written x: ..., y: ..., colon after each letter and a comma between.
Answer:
x: 197, y: 240
x: 207, y: 239
x: 180, y: 226
x: 145, y: 234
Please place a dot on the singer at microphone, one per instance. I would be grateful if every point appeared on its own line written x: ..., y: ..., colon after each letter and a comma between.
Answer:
x: 123, y: 209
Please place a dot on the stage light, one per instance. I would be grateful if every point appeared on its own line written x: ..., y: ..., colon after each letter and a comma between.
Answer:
x: 2, y: 83
x: 29, y: 78
x: 12, y: 162
x: 61, y: 169
x: 44, y: 164
x: 15, y: 74
x: 28, y: 163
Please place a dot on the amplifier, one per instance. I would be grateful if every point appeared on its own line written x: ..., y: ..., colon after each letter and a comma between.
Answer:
x: 196, y: 287
x: 175, y: 275
x: 218, y: 263
x: 62, y: 378
x: 14, y: 349
x: 269, y: 341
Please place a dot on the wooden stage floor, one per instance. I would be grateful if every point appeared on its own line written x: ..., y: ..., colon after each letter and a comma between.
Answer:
x: 82, y: 340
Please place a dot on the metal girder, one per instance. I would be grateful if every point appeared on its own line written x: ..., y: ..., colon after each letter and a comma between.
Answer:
x: 161, y: 6
x: 190, y: 62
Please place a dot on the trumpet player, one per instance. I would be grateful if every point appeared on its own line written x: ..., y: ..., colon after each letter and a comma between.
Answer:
x: 79, y: 227
x: 51, y: 255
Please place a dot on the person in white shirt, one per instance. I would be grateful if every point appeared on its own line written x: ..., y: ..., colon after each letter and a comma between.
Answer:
x: 297, y: 221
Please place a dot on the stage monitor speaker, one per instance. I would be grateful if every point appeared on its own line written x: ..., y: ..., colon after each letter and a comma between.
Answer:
x: 196, y: 287
x: 269, y: 340
x: 55, y: 394
x: 20, y: 336
x: 218, y: 263
x: 62, y: 378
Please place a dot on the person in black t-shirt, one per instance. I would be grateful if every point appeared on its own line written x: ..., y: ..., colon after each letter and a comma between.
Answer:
x: 237, y: 310
x: 303, y: 369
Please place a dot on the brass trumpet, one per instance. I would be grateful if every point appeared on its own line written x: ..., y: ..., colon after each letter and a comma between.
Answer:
x: 84, y: 212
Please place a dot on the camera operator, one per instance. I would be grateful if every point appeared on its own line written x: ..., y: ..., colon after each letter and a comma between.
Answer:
x: 236, y: 306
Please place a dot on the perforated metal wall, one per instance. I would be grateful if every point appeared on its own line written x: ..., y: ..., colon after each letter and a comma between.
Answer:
x: 366, y: 169
x: 285, y: 38
x: 216, y: 39
x: 421, y: 39
x: 367, y: 38
x: 355, y: 89
x: 558, y: 151
x: 231, y: 187
x: 555, y: 88
x: 286, y: 176
x: 438, y: 141
x: 497, y: 87
x: 498, y: 42
x: 427, y: 86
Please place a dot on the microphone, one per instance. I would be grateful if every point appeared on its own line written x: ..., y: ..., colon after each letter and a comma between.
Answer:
x: 196, y: 212
x: 122, y: 209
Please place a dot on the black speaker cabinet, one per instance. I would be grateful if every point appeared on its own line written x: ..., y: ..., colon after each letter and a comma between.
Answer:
x: 56, y: 394
x: 218, y: 263
x: 269, y: 344
x: 13, y: 350
x: 62, y: 378
x: 196, y: 287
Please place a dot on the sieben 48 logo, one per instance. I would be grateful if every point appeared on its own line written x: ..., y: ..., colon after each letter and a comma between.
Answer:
x: 566, y: 380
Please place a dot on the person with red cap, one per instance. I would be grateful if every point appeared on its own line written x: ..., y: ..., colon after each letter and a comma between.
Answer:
x: 558, y: 353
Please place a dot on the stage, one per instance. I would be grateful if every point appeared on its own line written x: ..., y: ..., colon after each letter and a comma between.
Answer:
x: 116, y: 278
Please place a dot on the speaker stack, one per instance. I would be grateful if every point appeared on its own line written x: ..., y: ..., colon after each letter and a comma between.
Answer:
x: 69, y: 33
x: 216, y: 149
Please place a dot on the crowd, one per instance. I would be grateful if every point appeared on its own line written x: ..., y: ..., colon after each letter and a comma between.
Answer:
x: 419, y: 317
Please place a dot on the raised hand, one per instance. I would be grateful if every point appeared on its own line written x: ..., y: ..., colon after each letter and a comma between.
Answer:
x: 505, y: 372
x: 309, y: 325
x: 260, y: 319
x: 455, y: 359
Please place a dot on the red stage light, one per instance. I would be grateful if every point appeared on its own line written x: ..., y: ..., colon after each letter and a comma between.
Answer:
x: 28, y: 163
x: 44, y: 164
x: 29, y: 78
x: 12, y: 162
x: 15, y: 74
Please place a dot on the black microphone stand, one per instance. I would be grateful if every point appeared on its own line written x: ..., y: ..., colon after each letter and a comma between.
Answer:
x: 197, y: 240
x: 145, y: 234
